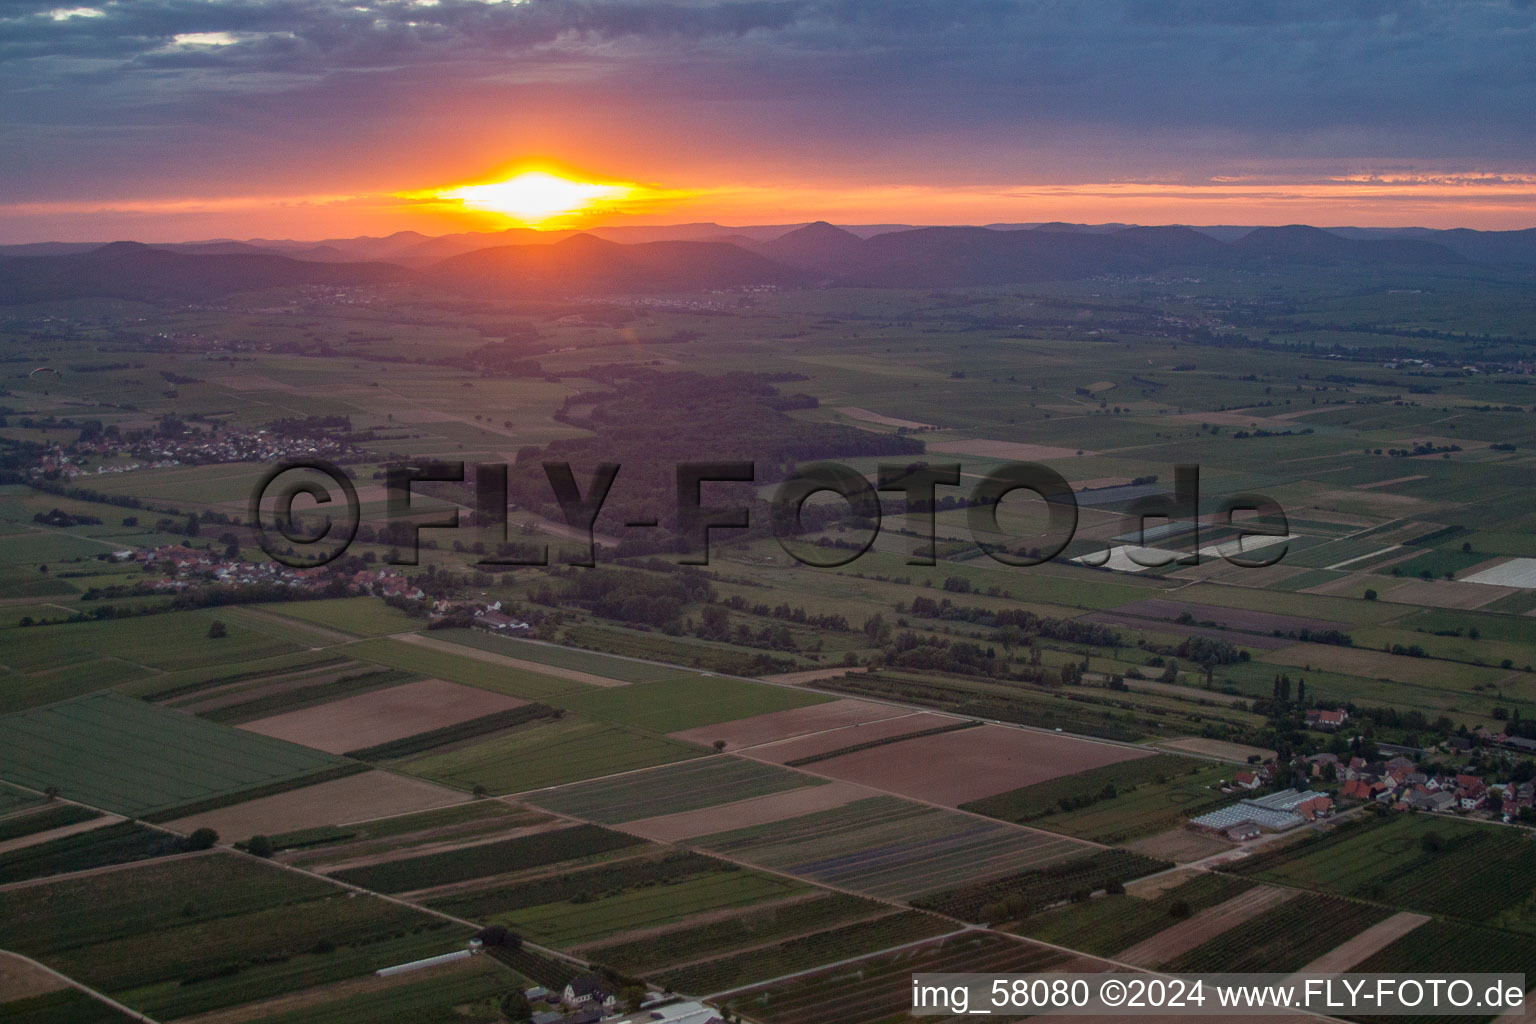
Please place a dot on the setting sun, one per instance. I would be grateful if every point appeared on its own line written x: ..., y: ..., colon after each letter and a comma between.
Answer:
x: 535, y: 197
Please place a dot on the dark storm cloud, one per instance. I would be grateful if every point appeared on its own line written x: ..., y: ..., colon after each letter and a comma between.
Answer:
x: 1119, y: 88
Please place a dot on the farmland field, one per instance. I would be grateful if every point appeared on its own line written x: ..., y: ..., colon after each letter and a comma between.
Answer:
x: 955, y: 766
x: 678, y: 704
x: 702, y: 782
x: 123, y: 755
x: 1420, y: 862
x: 434, y: 663
x: 68, y: 660
x: 1026, y: 892
x: 543, y: 754
x: 910, y: 745
x: 888, y: 847
x: 467, y: 992
x: 380, y: 716
x: 1109, y: 924
x: 663, y: 900
x: 44, y: 819
x: 354, y: 797
x: 119, y: 843
x: 591, y: 662
x: 504, y: 855
x: 753, y: 927
x: 243, y: 929
x: 1286, y: 938
x: 1117, y: 803
x: 359, y: 616
x: 64, y: 1006
x: 797, y: 954
x: 881, y: 988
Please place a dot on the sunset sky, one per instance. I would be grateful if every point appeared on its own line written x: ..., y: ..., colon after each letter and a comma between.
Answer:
x: 183, y: 119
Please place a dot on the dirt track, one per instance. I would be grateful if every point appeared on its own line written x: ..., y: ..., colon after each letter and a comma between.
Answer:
x: 1368, y: 943
x: 1204, y: 926
x: 506, y: 660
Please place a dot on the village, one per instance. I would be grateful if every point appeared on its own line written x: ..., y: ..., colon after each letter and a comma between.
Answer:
x: 1398, y: 783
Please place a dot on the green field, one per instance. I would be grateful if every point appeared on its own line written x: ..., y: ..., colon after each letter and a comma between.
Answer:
x: 495, y: 858
x: 235, y: 930
x: 44, y: 819
x: 66, y: 1006
x: 57, y: 662
x: 1430, y: 863
x: 1108, y: 924
x: 807, y: 951
x: 753, y: 927
x: 386, y: 835
x: 880, y: 988
x: 891, y: 848
x: 543, y: 754
x: 1116, y: 803
x: 360, y: 616
x: 674, y: 705
x: 1027, y: 892
x: 572, y: 922
x: 703, y: 782
x: 592, y: 662
x: 1284, y: 938
x: 118, y: 843
x: 439, y: 665
x: 126, y: 756
x: 466, y: 995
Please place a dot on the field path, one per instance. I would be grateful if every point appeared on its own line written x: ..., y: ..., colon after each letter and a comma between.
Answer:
x: 1204, y: 926
x: 100, y: 997
x: 60, y: 832
x: 320, y: 995
x: 335, y: 636
x: 506, y: 660
x: 1367, y: 944
x: 838, y: 963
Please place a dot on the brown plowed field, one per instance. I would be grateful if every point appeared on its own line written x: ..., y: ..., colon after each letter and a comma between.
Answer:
x: 759, y: 810
x: 1204, y: 926
x: 779, y: 725
x: 1447, y: 594
x: 21, y: 980
x: 353, y: 798
x: 1180, y: 845
x: 955, y: 767
x: 383, y: 715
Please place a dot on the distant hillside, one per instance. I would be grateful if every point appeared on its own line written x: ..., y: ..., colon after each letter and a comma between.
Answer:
x: 1301, y: 245
x: 129, y: 270
x: 820, y: 247
x: 586, y: 264
x: 807, y: 256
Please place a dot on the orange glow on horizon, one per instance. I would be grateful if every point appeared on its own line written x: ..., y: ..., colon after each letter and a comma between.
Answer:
x: 547, y: 197
x: 537, y: 198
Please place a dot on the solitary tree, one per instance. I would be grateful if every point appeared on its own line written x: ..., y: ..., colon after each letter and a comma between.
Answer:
x: 719, y: 746
x: 259, y: 846
x: 632, y: 996
x: 515, y: 1006
x: 202, y: 839
x: 216, y: 630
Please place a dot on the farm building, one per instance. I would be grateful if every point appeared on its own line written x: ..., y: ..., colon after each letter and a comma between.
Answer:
x: 1326, y: 721
x: 1276, y: 812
